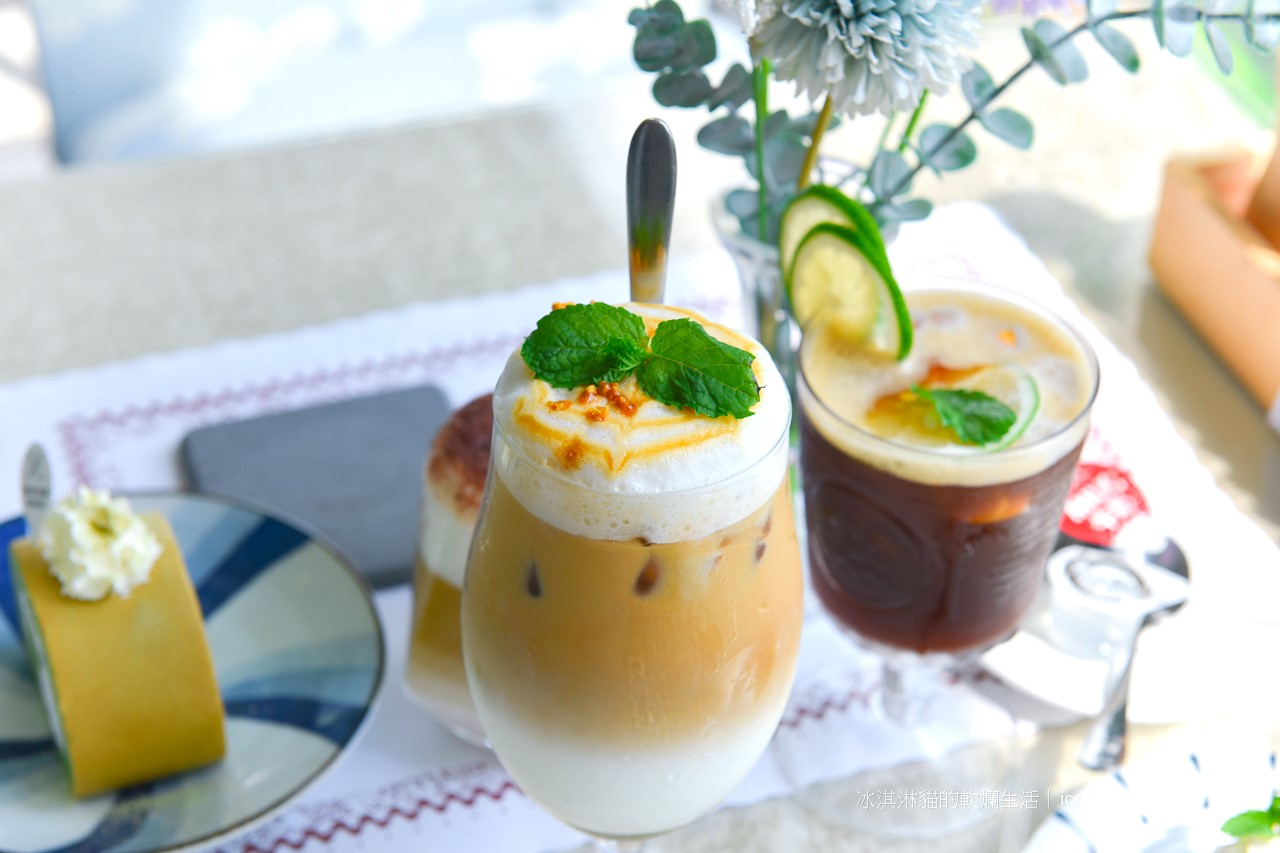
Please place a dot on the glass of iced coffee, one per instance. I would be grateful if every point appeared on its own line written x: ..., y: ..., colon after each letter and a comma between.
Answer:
x: 452, y: 486
x: 632, y: 608
x: 935, y: 464
x: 928, y: 539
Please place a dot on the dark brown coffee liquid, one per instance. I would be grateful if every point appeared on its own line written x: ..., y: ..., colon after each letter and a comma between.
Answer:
x: 929, y: 568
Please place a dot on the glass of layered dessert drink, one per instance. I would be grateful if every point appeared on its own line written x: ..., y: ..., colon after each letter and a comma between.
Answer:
x: 632, y: 608
x: 452, y: 486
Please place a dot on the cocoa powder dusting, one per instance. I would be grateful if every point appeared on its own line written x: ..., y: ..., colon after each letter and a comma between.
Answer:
x: 459, y: 456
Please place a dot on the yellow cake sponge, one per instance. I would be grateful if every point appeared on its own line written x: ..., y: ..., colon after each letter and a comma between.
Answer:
x: 127, y: 682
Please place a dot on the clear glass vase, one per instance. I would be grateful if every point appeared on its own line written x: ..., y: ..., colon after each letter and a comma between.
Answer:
x: 767, y: 315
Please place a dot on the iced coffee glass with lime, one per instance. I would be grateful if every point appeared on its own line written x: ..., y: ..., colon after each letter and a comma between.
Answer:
x: 632, y: 602
x: 940, y: 429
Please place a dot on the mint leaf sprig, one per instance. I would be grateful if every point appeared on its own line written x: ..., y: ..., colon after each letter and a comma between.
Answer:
x: 682, y: 366
x: 1256, y: 824
x: 974, y: 417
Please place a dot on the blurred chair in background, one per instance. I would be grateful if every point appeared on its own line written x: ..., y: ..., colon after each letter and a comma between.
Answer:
x: 130, y: 79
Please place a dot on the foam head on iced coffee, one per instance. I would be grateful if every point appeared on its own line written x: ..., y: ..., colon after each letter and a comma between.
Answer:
x: 609, y: 462
x: 958, y: 326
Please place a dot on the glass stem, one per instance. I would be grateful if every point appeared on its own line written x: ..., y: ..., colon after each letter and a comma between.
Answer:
x: 910, y: 683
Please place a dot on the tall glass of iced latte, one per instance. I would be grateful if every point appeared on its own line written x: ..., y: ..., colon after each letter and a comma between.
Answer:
x: 632, y: 604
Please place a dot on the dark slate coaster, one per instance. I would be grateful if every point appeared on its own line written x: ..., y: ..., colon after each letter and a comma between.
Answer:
x: 351, y: 471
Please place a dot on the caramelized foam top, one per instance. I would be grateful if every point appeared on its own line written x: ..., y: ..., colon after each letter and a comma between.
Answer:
x: 616, y: 440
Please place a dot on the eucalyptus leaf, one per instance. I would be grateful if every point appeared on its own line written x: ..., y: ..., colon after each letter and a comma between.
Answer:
x: 806, y: 124
x: 742, y: 203
x: 774, y: 124
x: 784, y: 157
x: 697, y: 46
x: 1180, y: 21
x: 734, y: 90
x: 907, y: 211
x: 1043, y: 56
x: 1117, y: 44
x: 1011, y: 126
x: 665, y: 16
x: 729, y: 134
x: 682, y: 90
x: 654, y: 51
x: 1069, y: 57
x: 1221, y: 48
x: 978, y: 86
x: 888, y: 169
x: 1157, y: 20
x: 946, y: 154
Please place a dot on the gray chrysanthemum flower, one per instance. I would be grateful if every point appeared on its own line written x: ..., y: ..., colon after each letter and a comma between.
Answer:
x: 869, y: 55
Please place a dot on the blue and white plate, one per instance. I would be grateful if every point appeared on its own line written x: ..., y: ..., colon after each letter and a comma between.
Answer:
x: 1169, y: 802
x: 298, y: 651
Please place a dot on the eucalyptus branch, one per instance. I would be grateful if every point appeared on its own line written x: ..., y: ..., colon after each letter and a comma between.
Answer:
x: 905, y: 180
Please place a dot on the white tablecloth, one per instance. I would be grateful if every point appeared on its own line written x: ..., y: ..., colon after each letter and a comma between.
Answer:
x: 406, y: 781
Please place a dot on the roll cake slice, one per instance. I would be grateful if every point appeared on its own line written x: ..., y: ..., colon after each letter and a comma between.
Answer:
x: 127, y: 683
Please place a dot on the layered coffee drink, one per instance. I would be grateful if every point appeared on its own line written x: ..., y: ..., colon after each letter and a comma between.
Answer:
x: 918, y: 539
x: 453, y: 484
x: 632, y: 608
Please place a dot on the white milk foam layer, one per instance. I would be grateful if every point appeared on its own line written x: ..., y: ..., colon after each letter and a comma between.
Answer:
x: 613, y: 792
x: 956, y: 327
x: 661, y: 474
x: 445, y: 536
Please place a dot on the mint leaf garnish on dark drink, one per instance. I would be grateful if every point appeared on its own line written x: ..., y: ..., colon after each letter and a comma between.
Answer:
x: 974, y: 417
x: 1256, y: 824
x: 682, y: 366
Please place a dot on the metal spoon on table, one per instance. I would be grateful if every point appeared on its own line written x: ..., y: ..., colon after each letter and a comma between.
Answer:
x: 36, y: 488
x: 1104, y: 743
x: 651, y: 195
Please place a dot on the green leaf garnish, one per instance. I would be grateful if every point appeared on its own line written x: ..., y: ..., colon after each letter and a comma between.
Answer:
x: 974, y: 417
x: 627, y: 353
x: 585, y: 343
x: 690, y: 368
x: 1256, y: 824
x: 683, y: 366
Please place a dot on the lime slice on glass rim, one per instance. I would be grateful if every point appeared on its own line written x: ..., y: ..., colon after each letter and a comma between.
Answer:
x: 843, y: 275
x: 816, y: 204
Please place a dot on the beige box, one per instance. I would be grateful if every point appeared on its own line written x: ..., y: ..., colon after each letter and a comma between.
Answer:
x: 1219, y: 270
